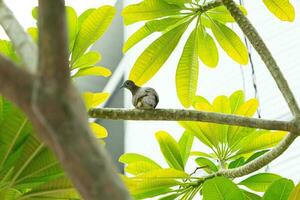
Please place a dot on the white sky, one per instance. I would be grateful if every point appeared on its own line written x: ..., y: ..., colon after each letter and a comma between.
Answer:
x: 22, y: 9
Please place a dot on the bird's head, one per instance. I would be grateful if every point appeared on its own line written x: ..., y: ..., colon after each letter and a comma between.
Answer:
x: 130, y: 85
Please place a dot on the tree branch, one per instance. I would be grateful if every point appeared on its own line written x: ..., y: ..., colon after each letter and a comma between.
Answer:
x: 210, y: 5
x: 23, y: 44
x: 264, y: 53
x: 16, y: 84
x: 189, y: 115
x: 53, y: 47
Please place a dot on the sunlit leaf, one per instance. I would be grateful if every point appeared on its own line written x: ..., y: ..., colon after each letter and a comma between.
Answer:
x: 280, y: 189
x: 295, y: 194
x: 7, y: 49
x: 133, y: 157
x: 87, y: 60
x: 170, y: 149
x: 98, y: 130
x: 221, y: 188
x: 230, y: 42
x: 207, y: 49
x: 34, y: 33
x: 185, y: 144
x: 155, y: 55
x: 71, y: 25
x: 83, y: 16
x: 282, y: 9
x: 93, y: 71
x: 221, y: 14
x: 91, y: 29
x: 187, y: 71
x: 251, y: 196
x: 148, y: 9
x: 260, y: 182
x: 94, y: 99
x: 140, y: 167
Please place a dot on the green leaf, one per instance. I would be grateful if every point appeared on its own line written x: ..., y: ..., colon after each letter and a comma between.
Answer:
x: 187, y: 71
x: 236, y: 163
x: 91, y: 29
x: 202, y: 154
x: 256, y: 155
x: 140, y: 167
x: 133, y: 157
x: 154, y: 56
x: 83, y: 16
x: 71, y: 25
x: 87, y: 60
x: 93, y: 71
x: 295, y: 194
x: 221, y: 14
x: 260, y: 182
x: 148, y: 9
x: 259, y: 140
x: 7, y: 49
x: 279, y: 190
x: 206, y: 164
x: 221, y: 188
x: 170, y: 197
x: 236, y: 100
x: 251, y: 196
x: 170, y: 149
x: 92, y: 100
x: 185, y: 144
x: 282, y: 9
x: 230, y: 42
x: 149, y: 28
x: 207, y: 49
x: 34, y: 13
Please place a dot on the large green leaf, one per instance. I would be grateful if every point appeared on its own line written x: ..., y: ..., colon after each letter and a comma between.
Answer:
x: 26, y: 164
x: 279, y: 190
x: 170, y: 149
x: 230, y: 42
x: 206, y: 164
x: 87, y: 60
x: 221, y: 14
x: 91, y: 29
x: 93, y: 71
x: 185, y: 144
x: 221, y: 188
x: 207, y: 49
x: 251, y: 196
x: 187, y: 71
x: 71, y: 25
x: 260, y: 182
x: 149, y: 28
x: 282, y: 9
x: 149, y: 9
x: 295, y: 194
x: 154, y: 56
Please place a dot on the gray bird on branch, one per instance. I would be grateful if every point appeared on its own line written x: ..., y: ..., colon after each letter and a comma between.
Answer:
x: 142, y: 97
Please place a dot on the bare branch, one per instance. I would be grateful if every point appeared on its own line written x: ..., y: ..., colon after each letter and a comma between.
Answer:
x: 23, y: 44
x: 210, y: 5
x: 264, y: 53
x: 189, y: 115
x: 53, y: 53
x: 16, y: 84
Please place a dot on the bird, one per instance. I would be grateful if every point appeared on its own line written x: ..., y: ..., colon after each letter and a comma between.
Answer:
x: 142, y: 97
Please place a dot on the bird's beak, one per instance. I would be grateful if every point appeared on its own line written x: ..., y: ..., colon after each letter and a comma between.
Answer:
x: 122, y: 86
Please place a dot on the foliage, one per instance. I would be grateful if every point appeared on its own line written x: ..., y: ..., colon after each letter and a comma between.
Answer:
x: 28, y: 169
x: 231, y: 147
x: 172, y: 19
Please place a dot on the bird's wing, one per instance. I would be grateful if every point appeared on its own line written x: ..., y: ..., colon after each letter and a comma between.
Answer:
x: 151, y: 91
x: 143, y: 92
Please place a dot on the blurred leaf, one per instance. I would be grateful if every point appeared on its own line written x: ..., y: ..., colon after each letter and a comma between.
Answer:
x: 170, y: 197
x: 87, y: 60
x: 149, y: 28
x: 207, y: 49
x: 34, y: 33
x: 260, y: 182
x: 206, y: 164
x: 185, y: 144
x: 282, y: 9
x: 7, y: 49
x: 187, y: 71
x: 155, y: 55
x: 98, y: 130
x: 91, y: 29
x: 71, y: 25
x: 230, y: 42
x: 170, y: 149
x: 279, y: 190
x: 133, y: 157
x: 295, y: 194
x: 148, y: 9
x: 92, y: 100
x: 218, y: 189
x: 93, y: 71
